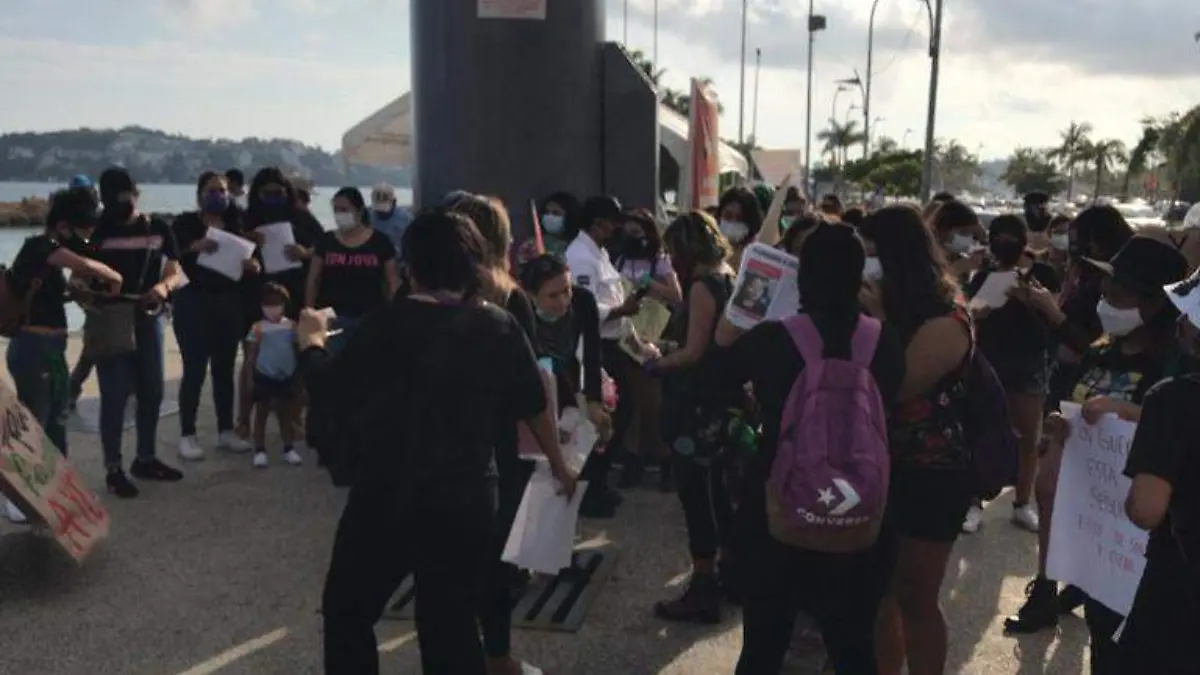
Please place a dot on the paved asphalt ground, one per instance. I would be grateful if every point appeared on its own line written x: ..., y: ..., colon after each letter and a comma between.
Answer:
x: 222, y: 573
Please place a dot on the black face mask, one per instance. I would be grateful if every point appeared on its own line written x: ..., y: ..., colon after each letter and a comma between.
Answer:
x: 120, y: 211
x: 1007, y: 252
x: 637, y: 247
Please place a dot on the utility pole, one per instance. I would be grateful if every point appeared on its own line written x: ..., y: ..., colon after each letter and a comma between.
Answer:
x: 757, y: 73
x: 742, y: 80
x: 867, y: 87
x: 625, y: 30
x: 654, y: 49
x: 935, y: 49
x: 815, y: 23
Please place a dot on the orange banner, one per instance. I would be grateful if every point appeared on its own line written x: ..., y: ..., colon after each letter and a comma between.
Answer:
x: 704, y: 144
x: 36, y: 476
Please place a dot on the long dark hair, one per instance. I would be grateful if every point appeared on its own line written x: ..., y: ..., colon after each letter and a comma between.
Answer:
x: 444, y: 252
x: 917, y: 283
x: 752, y: 215
x: 654, y: 243
x: 256, y: 213
x: 572, y: 210
x: 832, y: 257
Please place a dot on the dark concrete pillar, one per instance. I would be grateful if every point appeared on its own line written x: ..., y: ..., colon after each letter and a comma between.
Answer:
x: 507, y: 107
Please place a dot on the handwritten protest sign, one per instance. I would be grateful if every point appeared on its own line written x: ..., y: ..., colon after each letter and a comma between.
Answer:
x: 36, y: 476
x: 1092, y: 543
x: 765, y: 288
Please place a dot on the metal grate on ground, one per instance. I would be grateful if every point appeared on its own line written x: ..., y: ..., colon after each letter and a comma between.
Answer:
x: 556, y: 603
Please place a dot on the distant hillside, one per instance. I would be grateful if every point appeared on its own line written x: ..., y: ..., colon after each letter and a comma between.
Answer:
x: 158, y: 157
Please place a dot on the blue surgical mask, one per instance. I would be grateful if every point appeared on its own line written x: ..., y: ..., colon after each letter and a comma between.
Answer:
x: 215, y: 203
x: 274, y: 200
x: 553, y: 223
x: 546, y: 317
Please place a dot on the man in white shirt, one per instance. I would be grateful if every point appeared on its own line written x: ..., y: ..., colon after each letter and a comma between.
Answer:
x: 591, y: 268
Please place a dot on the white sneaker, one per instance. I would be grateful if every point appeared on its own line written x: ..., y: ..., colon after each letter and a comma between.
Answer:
x: 292, y: 457
x: 231, y: 442
x: 973, y: 519
x: 1025, y: 517
x: 14, y: 514
x: 260, y: 460
x: 189, y: 449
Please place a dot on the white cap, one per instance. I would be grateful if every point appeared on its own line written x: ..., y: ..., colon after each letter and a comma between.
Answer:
x: 383, y: 192
x: 1185, y: 295
x: 1192, y: 219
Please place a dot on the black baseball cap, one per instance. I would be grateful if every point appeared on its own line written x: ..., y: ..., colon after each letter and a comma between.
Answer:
x: 601, y: 208
x: 1144, y: 264
x: 114, y: 181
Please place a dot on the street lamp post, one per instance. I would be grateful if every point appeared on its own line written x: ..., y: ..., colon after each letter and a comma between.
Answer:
x: 935, y: 49
x: 867, y: 88
x: 625, y: 29
x: 742, y: 80
x: 904, y: 139
x: 816, y: 22
x: 754, y: 115
x: 833, y: 108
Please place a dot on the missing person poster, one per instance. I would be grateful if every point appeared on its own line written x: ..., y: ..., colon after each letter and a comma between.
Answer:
x: 44, y: 485
x: 765, y: 289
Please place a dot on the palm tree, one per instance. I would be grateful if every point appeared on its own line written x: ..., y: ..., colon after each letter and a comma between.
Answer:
x: 1103, y: 156
x: 1144, y: 155
x: 838, y: 140
x: 1071, y: 141
x: 956, y: 167
x: 886, y: 145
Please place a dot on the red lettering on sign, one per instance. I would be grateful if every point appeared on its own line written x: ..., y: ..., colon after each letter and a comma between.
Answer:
x: 68, y: 525
x: 86, y: 502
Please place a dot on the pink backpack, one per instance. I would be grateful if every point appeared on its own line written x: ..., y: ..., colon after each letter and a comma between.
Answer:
x: 828, y: 486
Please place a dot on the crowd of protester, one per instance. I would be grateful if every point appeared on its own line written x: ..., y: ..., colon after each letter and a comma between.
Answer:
x: 403, y: 349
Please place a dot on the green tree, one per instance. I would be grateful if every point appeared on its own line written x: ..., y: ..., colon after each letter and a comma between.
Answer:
x: 1103, y: 156
x: 1072, y: 141
x: 1032, y: 170
x: 898, y: 172
x: 838, y: 139
x: 1144, y: 156
x: 955, y: 168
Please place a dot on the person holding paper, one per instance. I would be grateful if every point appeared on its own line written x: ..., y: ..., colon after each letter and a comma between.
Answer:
x: 1164, y: 499
x: 36, y: 355
x: 842, y: 591
x: 425, y: 387
x: 209, y: 319
x: 957, y: 228
x: 592, y: 269
x: 1017, y: 343
x: 1116, y: 373
x: 692, y: 407
x: 353, y: 269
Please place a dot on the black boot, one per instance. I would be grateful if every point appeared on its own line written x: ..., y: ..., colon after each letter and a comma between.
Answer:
x: 1070, y: 598
x: 730, y: 582
x: 1040, y: 610
x: 700, y: 603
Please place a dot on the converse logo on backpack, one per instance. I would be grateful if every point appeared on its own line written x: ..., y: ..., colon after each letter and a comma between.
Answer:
x: 828, y: 484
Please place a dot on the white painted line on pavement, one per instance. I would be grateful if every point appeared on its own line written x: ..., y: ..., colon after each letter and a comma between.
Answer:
x: 241, y: 651
x: 393, y: 645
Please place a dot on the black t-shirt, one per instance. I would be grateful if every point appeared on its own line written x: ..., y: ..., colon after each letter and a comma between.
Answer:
x: 1108, y: 371
x: 137, y: 251
x: 560, y: 341
x: 697, y: 380
x: 190, y: 228
x: 470, y: 375
x: 1167, y: 445
x: 353, y: 281
x: 306, y: 230
x: 1014, y: 337
x: 767, y: 357
x: 32, y: 264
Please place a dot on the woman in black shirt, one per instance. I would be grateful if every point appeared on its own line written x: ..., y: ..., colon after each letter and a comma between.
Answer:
x: 841, y: 591
x: 1164, y: 499
x: 143, y: 251
x: 353, y: 269
x: 208, y: 317
x: 37, y: 351
x: 692, y: 405
x: 431, y: 381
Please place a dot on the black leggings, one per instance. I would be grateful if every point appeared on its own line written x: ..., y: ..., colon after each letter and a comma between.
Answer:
x: 707, y: 507
x: 495, y: 611
x: 841, y: 591
x: 378, y: 544
x: 208, y: 328
x: 1102, y: 624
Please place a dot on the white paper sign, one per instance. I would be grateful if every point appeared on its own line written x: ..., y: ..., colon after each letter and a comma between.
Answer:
x: 765, y: 289
x: 276, y: 238
x: 513, y: 9
x: 1092, y: 543
x: 232, y: 252
x: 543, y: 533
x: 994, y: 291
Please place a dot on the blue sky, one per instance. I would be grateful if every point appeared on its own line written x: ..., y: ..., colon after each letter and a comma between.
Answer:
x: 1014, y: 72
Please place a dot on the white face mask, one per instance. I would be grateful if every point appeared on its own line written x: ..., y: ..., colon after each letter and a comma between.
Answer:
x: 272, y: 313
x: 345, y: 219
x: 1117, y: 322
x: 1060, y: 242
x: 872, y: 270
x: 736, y: 232
x: 553, y: 223
x: 961, y: 243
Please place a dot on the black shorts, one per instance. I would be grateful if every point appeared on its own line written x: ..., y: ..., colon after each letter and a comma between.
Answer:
x: 929, y: 504
x: 1031, y: 378
x: 269, y: 389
